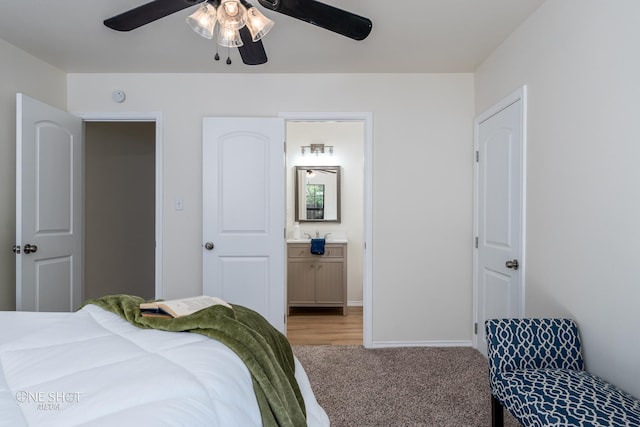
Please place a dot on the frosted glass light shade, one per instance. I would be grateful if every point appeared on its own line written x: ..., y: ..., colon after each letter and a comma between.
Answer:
x: 203, y: 20
x: 229, y: 37
x: 232, y: 14
x: 258, y: 24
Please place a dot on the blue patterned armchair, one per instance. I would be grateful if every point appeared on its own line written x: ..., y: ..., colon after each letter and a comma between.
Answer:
x: 537, y: 372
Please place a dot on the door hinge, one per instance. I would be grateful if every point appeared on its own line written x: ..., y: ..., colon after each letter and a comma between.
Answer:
x: 477, y: 155
x: 475, y: 328
x: 476, y: 242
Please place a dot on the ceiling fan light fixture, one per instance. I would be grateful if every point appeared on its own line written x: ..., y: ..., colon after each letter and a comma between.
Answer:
x: 203, y: 20
x: 258, y: 24
x: 232, y: 14
x: 229, y: 37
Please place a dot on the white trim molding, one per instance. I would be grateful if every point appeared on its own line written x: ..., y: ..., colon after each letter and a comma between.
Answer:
x: 448, y: 343
x: 156, y: 117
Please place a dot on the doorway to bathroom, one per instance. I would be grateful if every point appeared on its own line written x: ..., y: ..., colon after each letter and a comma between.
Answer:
x: 347, y: 142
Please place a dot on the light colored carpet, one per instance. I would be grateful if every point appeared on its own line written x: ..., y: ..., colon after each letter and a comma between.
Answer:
x: 417, y: 386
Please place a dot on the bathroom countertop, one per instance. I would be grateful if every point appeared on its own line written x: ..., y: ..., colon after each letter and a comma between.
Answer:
x: 329, y: 240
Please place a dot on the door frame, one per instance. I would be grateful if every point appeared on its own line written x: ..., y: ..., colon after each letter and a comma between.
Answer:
x: 518, y: 95
x: 367, y: 286
x: 155, y: 117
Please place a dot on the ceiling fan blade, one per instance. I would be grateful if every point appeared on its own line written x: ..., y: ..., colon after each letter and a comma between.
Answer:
x: 323, y: 15
x: 252, y: 53
x: 147, y: 13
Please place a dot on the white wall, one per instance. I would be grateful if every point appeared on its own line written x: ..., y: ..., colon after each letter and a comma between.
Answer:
x: 422, y: 182
x: 579, y: 59
x: 19, y: 72
x: 347, y: 138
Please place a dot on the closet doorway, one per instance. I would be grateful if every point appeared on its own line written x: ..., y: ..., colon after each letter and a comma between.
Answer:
x: 120, y: 208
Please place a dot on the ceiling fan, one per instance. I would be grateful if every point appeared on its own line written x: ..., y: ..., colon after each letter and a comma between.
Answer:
x: 251, y: 51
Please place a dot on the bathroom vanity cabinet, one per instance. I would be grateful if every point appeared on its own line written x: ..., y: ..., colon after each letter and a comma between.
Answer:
x: 317, y: 280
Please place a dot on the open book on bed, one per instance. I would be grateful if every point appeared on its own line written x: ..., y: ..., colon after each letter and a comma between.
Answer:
x: 179, y: 307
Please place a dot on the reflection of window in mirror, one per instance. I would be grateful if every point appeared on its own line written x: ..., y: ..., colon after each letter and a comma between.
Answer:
x: 315, y: 201
x: 317, y: 193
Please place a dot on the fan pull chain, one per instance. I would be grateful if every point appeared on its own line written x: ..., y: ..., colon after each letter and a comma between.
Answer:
x: 217, y: 56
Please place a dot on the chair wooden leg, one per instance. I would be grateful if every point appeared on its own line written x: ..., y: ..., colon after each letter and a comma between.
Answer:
x: 497, y: 413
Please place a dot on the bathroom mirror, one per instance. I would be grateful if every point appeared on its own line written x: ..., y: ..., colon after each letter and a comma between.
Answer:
x: 317, y: 193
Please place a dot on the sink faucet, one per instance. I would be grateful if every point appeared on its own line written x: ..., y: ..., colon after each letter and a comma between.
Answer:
x: 317, y: 235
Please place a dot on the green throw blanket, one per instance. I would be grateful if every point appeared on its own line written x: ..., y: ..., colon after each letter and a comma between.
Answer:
x: 264, y: 350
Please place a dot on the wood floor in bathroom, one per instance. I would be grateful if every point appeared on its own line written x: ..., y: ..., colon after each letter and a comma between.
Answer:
x: 325, y: 326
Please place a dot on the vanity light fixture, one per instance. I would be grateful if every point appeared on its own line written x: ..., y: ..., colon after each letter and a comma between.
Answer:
x: 317, y: 149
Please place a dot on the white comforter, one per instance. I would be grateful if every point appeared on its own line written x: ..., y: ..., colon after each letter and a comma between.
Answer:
x: 92, y: 368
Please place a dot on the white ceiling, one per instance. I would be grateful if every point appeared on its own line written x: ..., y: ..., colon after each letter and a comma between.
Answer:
x: 410, y: 36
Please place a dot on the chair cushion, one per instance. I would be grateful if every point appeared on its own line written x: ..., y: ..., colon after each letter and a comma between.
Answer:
x: 533, y: 344
x: 562, y: 397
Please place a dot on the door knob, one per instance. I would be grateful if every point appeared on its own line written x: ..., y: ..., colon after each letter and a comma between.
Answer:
x: 209, y: 246
x: 30, y: 249
x: 512, y: 264
x: 16, y: 249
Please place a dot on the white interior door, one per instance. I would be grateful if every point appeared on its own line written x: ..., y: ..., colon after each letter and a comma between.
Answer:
x: 499, y: 216
x: 244, y: 213
x: 48, y: 207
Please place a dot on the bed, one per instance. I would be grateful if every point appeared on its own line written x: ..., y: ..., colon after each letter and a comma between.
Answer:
x: 94, y: 368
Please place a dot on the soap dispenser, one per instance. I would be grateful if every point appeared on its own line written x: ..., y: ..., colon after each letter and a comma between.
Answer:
x: 296, y: 230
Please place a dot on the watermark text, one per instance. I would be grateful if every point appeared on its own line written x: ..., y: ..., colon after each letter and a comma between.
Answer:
x: 48, y: 401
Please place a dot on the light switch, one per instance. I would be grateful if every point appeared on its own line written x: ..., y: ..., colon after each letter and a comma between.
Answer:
x: 179, y: 202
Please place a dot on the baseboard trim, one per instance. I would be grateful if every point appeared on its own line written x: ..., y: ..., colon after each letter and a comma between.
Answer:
x: 388, y: 344
x: 354, y: 304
